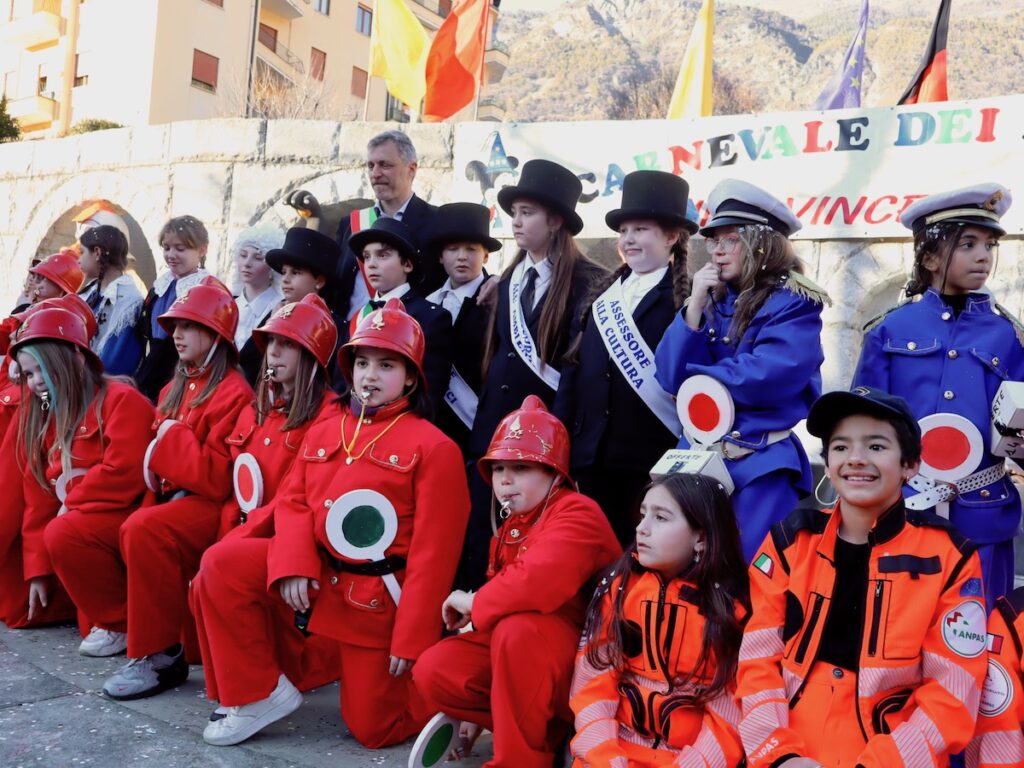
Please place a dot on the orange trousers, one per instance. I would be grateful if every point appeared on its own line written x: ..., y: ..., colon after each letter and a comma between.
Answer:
x: 161, y: 546
x: 247, y: 638
x: 513, y: 680
x: 826, y: 717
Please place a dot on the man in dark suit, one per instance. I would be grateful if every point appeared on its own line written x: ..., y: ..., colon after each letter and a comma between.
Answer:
x: 391, y: 165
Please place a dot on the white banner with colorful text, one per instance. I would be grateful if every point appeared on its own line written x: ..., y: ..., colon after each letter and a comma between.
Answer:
x: 845, y: 173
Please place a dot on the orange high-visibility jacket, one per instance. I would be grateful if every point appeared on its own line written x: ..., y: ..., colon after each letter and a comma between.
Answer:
x: 620, y: 710
x: 999, y: 740
x: 922, y: 652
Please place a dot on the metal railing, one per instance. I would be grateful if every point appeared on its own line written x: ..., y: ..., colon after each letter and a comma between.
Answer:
x: 284, y: 53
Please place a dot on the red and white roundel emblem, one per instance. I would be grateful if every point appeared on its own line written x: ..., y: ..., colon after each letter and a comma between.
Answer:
x: 61, y: 486
x: 705, y: 409
x: 248, y: 481
x: 951, y: 447
x: 152, y: 481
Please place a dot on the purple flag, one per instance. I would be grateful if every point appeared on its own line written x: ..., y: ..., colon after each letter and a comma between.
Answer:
x: 844, y: 88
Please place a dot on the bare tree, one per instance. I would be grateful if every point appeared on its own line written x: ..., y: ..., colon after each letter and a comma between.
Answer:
x: 271, y: 95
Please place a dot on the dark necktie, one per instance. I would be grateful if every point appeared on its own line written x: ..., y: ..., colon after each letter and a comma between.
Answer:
x: 529, y: 290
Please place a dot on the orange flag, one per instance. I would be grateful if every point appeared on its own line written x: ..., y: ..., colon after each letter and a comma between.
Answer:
x: 455, y: 62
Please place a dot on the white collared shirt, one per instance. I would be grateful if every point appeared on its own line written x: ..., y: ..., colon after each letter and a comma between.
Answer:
x: 636, y: 286
x: 250, y: 312
x: 395, y: 293
x: 452, y: 298
x: 544, y: 272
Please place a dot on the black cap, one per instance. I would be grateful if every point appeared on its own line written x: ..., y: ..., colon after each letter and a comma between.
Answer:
x: 552, y: 185
x: 390, y: 232
x: 307, y: 249
x: 832, y: 407
x: 656, y: 195
x: 461, y: 223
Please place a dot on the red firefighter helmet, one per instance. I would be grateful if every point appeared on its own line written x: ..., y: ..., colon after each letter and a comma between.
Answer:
x: 531, y: 433
x: 61, y: 269
x: 308, y: 323
x: 207, y: 303
x: 78, y: 305
x: 54, y: 324
x: 389, y: 327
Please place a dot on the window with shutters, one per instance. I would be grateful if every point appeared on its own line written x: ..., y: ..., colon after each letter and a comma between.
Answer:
x: 204, y: 70
x: 317, y: 63
x: 322, y: 6
x: 359, y: 79
x: 268, y: 36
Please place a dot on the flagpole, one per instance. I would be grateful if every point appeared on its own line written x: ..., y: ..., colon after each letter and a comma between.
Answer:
x: 483, y: 58
x: 369, y: 63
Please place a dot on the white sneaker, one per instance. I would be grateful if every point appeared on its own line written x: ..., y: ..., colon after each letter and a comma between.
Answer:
x: 249, y: 719
x: 148, y: 676
x: 103, y: 642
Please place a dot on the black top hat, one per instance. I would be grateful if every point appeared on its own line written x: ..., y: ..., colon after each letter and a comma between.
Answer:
x: 307, y: 249
x: 461, y: 223
x: 653, y: 195
x: 390, y: 232
x: 551, y: 185
x: 832, y: 407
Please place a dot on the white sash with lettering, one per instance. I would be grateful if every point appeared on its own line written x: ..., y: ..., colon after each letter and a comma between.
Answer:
x: 631, y: 355
x: 461, y: 398
x: 521, y: 338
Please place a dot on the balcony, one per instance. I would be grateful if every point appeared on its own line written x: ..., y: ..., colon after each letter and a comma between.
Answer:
x: 491, y: 109
x: 34, y: 111
x: 279, y: 58
x: 288, y: 9
x: 496, y: 61
x: 40, y: 28
x: 430, y: 12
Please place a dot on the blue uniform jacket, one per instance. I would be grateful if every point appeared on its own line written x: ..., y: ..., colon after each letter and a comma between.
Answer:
x: 941, y: 363
x: 773, y: 375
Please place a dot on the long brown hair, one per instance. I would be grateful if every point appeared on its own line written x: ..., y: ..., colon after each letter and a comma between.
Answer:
x: 307, y: 395
x: 77, y: 382
x: 555, y: 314
x: 224, y: 360
x: 722, y: 585
x: 769, y: 257
x: 680, y: 284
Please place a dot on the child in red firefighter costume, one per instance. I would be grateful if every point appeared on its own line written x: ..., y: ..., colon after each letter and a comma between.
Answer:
x: 27, y: 510
x: 187, y: 468
x: 512, y: 674
x: 298, y: 343
x: 866, y: 646
x: 378, y: 470
x: 57, y: 275
x: 999, y: 739
x: 656, y: 677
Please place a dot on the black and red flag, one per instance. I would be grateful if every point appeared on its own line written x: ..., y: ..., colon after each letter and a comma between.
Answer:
x: 929, y: 84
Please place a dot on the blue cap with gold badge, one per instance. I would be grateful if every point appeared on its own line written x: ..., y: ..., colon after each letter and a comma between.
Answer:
x: 738, y: 203
x: 981, y: 205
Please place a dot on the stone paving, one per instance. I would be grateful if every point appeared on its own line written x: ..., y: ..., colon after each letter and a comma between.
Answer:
x: 52, y: 713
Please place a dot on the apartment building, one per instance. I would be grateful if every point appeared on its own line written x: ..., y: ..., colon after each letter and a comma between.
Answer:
x: 138, y: 62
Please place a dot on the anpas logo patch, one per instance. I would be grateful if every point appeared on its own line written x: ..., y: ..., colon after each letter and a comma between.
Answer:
x: 963, y: 629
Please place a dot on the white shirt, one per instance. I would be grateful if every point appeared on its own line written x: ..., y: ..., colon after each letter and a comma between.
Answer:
x: 544, y: 272
x: 451, y: 298
x: 636, y: 286
x: 251, y: 312
x: 359, y: 293
x: 395, y: 293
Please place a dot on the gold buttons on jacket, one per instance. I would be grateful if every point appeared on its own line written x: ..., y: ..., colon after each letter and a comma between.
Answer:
x: 82, y: 429
x: 948, y: 394
x: 725, y: 339
x: 374, y: 603
x: 911, y: 345
x: 735, y: 435
x: 266, y: 441
x: 328, y: 503
x: 321, y: 452
x: 7, y: 398
x: 946, y: 315
x: 334, y: 579
x: 953, y: 354
x: 192, y: 385
x: 995, y: 361
x: 985, y: 493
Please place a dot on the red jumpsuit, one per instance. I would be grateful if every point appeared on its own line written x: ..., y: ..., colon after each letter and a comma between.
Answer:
x: 513, y: 673
x: 82, y: 543
x: 999, y: 737
x: 162, y: 542
x: 628, y: 716
x: 309, y: 663
x: 420, y: 471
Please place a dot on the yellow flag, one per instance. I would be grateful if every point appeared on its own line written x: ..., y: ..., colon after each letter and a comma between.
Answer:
x: 398, y: 51
x: 692, y: 94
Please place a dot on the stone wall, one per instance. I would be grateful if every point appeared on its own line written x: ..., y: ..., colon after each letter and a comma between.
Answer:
x: 234, y: 173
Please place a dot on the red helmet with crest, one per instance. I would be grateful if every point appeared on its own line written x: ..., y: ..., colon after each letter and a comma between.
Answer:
x: 207, y: 303
x: 389, y: 327
x: 61, y: 269
x: 531, y: 433
x: 54, y: 324
x: 308, y: 323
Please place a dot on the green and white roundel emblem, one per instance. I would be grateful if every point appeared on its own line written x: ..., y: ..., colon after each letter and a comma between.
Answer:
x: 361, y: 525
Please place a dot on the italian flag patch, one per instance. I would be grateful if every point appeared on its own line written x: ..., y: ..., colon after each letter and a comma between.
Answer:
x: 765, y: 565
x: 995, y: 643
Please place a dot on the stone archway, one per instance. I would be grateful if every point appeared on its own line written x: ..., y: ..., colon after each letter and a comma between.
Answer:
x: 50, y: 221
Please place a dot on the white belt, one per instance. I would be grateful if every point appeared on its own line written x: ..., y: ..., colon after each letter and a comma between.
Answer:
x: 933, y: 492
x: 732, y: 451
